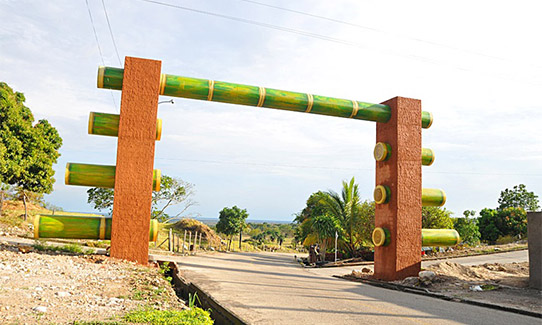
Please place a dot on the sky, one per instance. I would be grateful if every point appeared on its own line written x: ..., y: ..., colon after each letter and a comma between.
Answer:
x: 475, y: 65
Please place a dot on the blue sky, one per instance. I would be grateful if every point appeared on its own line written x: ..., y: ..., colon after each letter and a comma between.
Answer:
x: 475, y: 65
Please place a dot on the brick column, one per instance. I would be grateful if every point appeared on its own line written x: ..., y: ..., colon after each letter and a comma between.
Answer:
x: 402, y: 173
x: 135, y: 160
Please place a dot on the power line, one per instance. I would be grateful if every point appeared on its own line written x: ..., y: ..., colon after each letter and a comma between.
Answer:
x: 323, y: 37
x: 95, y: 34
x: 99, y: 49
x: 111, y: 33
x: 342, y: 22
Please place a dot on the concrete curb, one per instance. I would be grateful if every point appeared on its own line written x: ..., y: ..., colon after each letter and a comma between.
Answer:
x: 425, y: 292
x: 219, y: 313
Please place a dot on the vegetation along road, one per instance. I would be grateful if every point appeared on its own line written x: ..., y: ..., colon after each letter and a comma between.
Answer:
x: 266, y: 288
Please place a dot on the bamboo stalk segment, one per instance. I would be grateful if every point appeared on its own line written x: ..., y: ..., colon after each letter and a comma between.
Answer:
x: 383, y: 151
x: 79, y: 227
x: 225, y: 92
x: 433, y: 197
x: 108, y: 125
x: 440, y: 237
x: 99, y: 176
x: 430, y: 237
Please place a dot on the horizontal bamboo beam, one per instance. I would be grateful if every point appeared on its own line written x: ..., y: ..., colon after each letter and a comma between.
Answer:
x: 99, y: 176
x: 225, y: 92
x: 108, y: 125
x: 79, y: 227
x: 382, y: 152
x: 430, y: 196
x: 430, y: 237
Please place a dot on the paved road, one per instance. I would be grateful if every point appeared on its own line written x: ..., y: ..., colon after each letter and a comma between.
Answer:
x: 270, y: 288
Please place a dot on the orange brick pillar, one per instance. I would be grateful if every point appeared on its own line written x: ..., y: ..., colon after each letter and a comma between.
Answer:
x: 135, y: 160
x: 402, y: 174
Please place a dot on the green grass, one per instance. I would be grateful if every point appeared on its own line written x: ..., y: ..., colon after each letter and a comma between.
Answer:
x: 69, y: 248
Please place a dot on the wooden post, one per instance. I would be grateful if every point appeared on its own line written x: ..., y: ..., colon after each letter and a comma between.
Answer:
x: 135, y: 159
x: 402, y: 175
x: 189, y: 242
x: 170, y: 238
x: 199, y: 244
x: 195, y: 241
x: 184, y: 240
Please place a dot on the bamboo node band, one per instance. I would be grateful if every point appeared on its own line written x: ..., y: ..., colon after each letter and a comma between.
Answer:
x: 211, y: 89
x: 162, y: 83
x: 102, y: 228
x: 310, y: 100
x: 355, y: 108
x: 37, y: 226
x: 101, y: 72
x: 262, y: 96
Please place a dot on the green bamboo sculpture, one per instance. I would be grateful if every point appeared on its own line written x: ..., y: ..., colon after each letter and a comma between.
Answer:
x: 225, y: 92
x: 382, y: 152
x: 430, y: 196
x: 433, y: 197
x: 108, y: 125
x: 430, y: 237
x: 79, y: 227
x: 99, y: 176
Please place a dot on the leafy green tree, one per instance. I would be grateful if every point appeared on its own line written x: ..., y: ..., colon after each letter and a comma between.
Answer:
x: 495, y: 223
x: 314, y: 207
x: 468, y: 228
x: 231, y: 221
x: 27, y: 151
x: 518, y: 197
x: 173, y: 191
x: 436, y: 218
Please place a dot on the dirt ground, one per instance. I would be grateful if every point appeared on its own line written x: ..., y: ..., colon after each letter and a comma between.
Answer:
x: 499, y: 284
x: 46, y: 287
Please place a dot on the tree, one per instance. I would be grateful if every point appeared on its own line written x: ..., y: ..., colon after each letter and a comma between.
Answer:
x: 518, y: 197
x: 436, y: 218
x: 27, y: 151
x: 495, y: 223
x: 231, y: 221
x: 468, y: 228
x: 173, y: 191
x: 356, y: 218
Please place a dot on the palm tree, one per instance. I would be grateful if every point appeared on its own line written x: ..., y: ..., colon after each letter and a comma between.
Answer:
x: 325, y: 227
x: 345, y: 208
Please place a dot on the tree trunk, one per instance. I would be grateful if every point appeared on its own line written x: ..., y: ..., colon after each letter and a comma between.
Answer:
x: 323, y: 250
x: 25, y: 207
x: 240, y: 238
x: 1, y: 201
x: 229, y: 243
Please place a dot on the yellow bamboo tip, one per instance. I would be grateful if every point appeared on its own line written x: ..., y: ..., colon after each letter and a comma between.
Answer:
x: 443, y: 197
x: 37, y: 226
x: 67, y: 174
x: 162, y: 83
x: 381, y: 151
x: 154, y: 224
x: 101, y: 72
x: 379, y: 237
x: 158, y: 174
x: 380, y: 194
x: 158, y: 129
x: 430, y: 120
x: 90, y: 122
x: 432, y: 156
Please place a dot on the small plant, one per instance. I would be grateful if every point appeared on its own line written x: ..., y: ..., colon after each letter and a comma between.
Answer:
x: 151, y: 316
x: 164, y: 270
x: 192, y: 300
x: 69, y: 248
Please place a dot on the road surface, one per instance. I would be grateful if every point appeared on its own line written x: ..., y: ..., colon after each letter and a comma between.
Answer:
x: 271, y: 288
